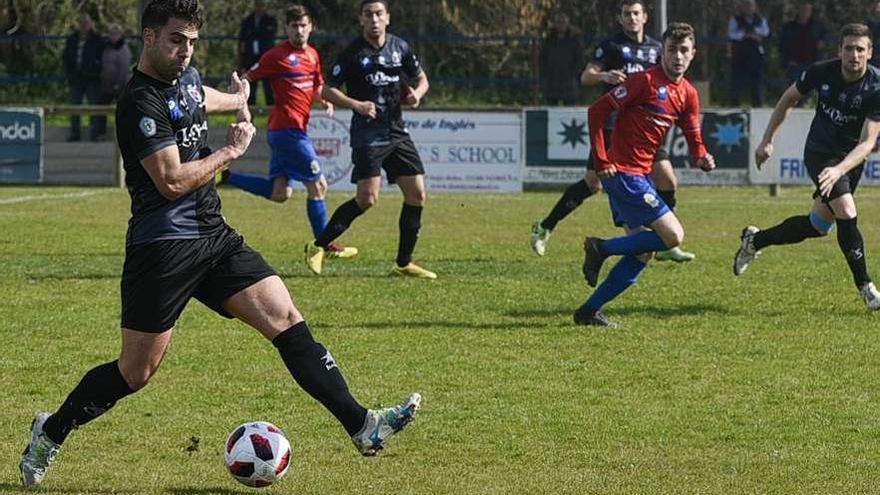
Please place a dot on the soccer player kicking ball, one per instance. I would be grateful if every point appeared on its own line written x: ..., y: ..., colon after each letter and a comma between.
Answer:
x: 372, y: 68
x: 647, y: 105
x: 843, y: 133
x: 628, y: 52
x: 294, y: 69
x: 179, y: 247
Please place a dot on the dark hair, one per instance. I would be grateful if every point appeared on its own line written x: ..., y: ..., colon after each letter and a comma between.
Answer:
x: 296, y: 12
x: 678, y: 32
x: 367, y: 2
x: 855, y: 29
x: 157, y: 13
x: 627, y: 3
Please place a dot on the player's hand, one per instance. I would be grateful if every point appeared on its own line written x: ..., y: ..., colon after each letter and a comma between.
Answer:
x: 328, y: 108
x: 707, y: 163
x: 412, y: 101
x: 243, y: 114
x: 367, y: 109
x: 762, y: 153
x: 827, y: 178
x: 613, y: 77
x: 241, y: 88
x: 609, y: 171
x: 239, y: 136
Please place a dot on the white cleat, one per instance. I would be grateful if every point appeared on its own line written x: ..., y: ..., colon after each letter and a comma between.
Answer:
x: 746, y: 252
x: 38, y: 455
x: 381, y: 424
x: 871, y: 296
x: 540, y: 237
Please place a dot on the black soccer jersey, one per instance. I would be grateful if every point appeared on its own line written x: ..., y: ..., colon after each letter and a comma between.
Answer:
x: 842, y: 108
x: 376, y: 75
x: 150, y: 116
x: 620, y: 52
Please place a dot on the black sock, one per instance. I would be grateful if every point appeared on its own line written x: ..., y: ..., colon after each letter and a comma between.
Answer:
x: 410, y: 223
x: 849, y: 238
x: 315, y: 370
x: 791, y: 231
x: 570, y: 200
x: 668, y: 197
x: 339, y: 222
x: 97, y: 392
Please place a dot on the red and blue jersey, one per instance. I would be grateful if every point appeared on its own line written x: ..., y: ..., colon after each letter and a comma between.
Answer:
x: 295, y: 75
x: 648, y: 104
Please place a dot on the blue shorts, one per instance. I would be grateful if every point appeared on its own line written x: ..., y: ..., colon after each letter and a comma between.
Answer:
x: 634, y: 201
x: 293, y: 156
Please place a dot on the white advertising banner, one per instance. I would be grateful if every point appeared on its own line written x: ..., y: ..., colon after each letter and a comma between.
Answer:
x: 461, y: 151
x: 568, y: 136
x: 786, y: 166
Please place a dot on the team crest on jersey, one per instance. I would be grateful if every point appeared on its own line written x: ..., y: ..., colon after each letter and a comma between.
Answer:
x: 842, y: 98
x: 857, y: 101
x: 381, y: 60
x: 336, y: 70
x: 627, y: 53
x: 652, y: 56
x: 174, y: 108
x: 395, y: 57
x: 194, y: 93
x: 315, y: 167
x: 294, y: 60
x: 148, y: 126
x: 662, y: 93
x: 599, y: 52
x: 620, y: 92
x: 651, y: 200
x: 365, y: 62
x: 824, y: 90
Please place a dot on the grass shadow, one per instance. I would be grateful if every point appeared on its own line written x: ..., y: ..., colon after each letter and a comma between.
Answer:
x: 674, y: 311
x: 17, y: 488
x: 459, y: 325
x: 190, y: 490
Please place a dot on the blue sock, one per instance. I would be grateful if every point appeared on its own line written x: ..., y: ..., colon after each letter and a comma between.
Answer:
x: 254, y: 184
x: 621, y: 277
x: 317, y: 210
x: 639, y: 243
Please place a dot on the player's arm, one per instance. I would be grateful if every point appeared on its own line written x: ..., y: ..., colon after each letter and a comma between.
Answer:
x: 340, y: 99
x: 628, y: 93
x: 593, y: 75
x: 235, y: 100
x: 689, y: 122
x: 326, y: 105
x: 868, y: 139
x: 414, y: 97
x: 783, y: 107
x: 175, y: 180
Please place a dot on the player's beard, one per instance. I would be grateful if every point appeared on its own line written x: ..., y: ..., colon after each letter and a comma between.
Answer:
x: 168, y: 68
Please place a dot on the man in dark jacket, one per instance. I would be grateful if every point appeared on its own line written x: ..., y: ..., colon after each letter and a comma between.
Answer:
x: 746, y: 32
x: 255, y: 37
x: 82, y: 65
x: 801, y: 42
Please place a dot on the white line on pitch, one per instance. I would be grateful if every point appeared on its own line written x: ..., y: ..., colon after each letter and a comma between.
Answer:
x: 42, y: 197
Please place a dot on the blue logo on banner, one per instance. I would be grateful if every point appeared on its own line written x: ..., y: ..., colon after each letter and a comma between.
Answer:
x: 21, y: 141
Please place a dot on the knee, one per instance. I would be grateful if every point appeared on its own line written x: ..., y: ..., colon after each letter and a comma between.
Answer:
x: 645, y: 258
x: 367, y: 201
x: 674, y: 238
x: 137, y: 377
x: 416, y: 198
x: 280, y: 197
x: 593, y: 183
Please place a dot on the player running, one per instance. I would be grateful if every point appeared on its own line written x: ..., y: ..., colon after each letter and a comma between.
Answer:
x: 628, y: 52
x: 374, y: 68
x: 647, y: 105
x: 843, y: 133
x: 293, y: 68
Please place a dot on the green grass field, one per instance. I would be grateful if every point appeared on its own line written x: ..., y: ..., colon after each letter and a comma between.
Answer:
x: 766, y: 384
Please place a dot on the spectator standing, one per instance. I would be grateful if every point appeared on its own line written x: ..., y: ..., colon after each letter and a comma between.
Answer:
x: 560, y: 57
x: 115, y: 68
x: 874, y: 25
x: 746, y: 32
x: 82, y: 65
x: 256, y: 36
x: 801, y: 42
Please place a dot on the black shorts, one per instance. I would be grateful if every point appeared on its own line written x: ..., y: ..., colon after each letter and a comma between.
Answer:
x: 159, y: 278
x: 398, y: 159
x: 662, y: 152
x: 816, y: 162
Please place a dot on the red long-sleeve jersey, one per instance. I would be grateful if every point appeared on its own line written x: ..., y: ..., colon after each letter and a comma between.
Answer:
x: 295, y: 75
x: 647, y: 105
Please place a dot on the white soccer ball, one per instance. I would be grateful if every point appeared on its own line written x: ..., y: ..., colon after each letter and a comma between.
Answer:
x: 257, y: 453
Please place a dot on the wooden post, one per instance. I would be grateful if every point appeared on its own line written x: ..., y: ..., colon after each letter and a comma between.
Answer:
x: 775, y: 190
x: 119, y: 168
